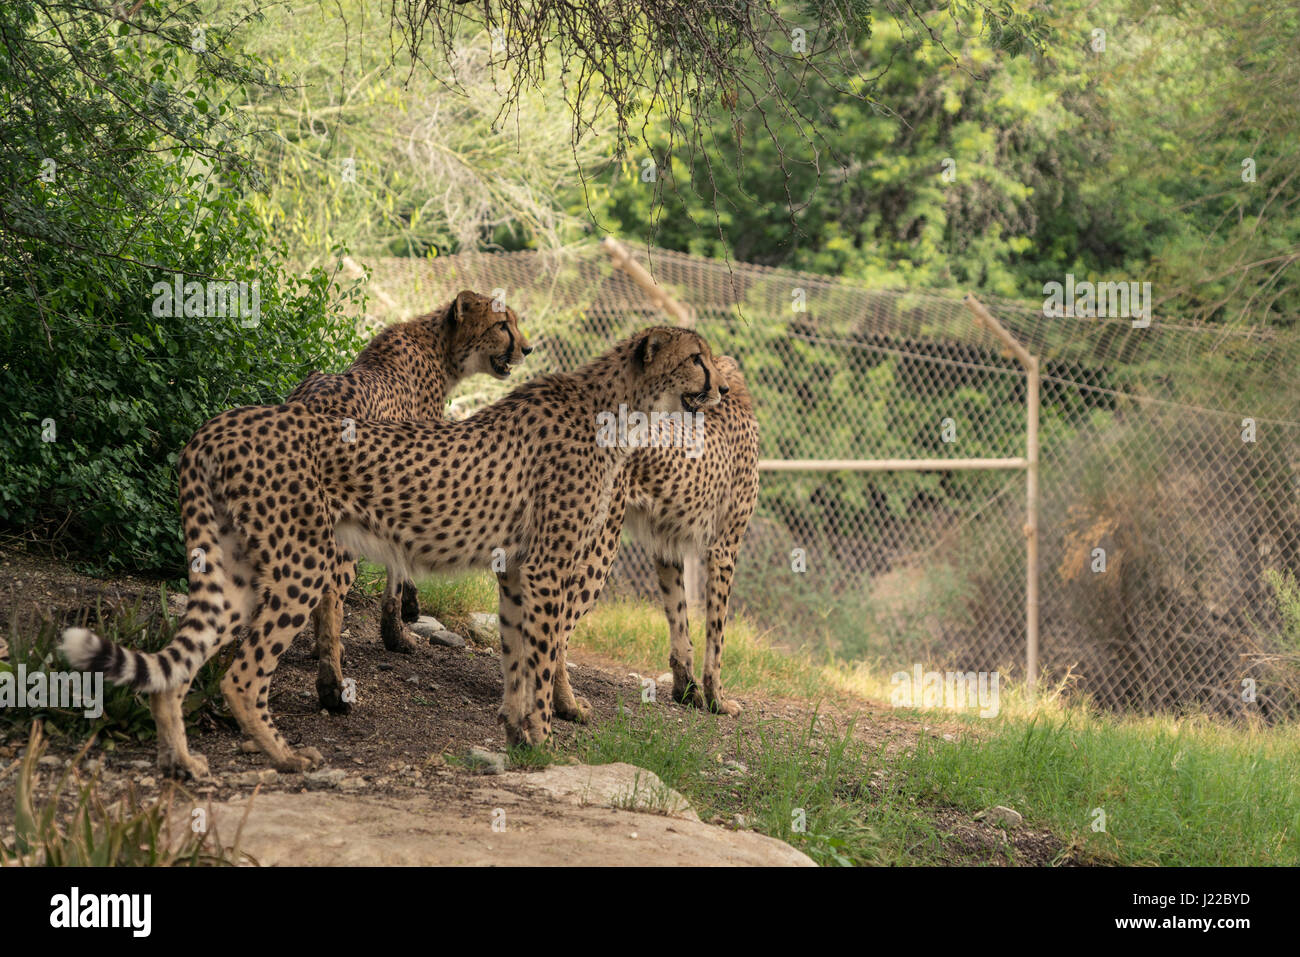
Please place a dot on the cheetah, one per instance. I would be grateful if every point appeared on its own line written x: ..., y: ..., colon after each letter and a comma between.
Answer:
x: 404, y: 374
x: 270, y: 497
x: 678, y: 500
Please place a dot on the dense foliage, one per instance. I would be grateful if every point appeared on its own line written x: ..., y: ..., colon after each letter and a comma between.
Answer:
x: 119, y: 171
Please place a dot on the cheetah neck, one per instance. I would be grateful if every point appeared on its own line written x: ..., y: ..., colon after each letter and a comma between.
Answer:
x: 394, y: 353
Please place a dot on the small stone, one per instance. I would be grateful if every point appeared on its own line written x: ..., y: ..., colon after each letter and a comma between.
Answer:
x: 250, y: 779
x: 385, y: 666
x: 324, y: 779
x: 412, y: 680
x: 50, y: 761
x: 447, y: 639
x: 484, y: 627
x: 736, y: 767
x: 665, y: 679
x: 147, y: 782
x: 426, y: 626
x: 1001, y: 815
x: 141, y: 765
x: 486, y: 761
x: 352, y: 784
x: 738, y: 822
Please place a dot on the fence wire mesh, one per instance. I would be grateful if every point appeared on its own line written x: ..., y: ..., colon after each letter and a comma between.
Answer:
x: 1169, y: 471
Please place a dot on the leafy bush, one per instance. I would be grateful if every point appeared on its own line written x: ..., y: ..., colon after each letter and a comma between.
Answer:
x: 101, y: 384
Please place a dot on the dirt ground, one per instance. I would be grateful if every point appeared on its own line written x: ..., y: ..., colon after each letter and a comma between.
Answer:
x: 413, y: 712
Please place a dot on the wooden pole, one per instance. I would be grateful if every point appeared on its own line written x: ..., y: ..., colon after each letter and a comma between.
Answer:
x: 686, y: 318
x: 1033, y: 388
x: 658, y: 297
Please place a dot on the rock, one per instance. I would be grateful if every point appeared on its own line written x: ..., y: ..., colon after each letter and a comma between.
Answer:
x: 142, y: 765
x: 447, y: 639
x: 735, y: 767
x: 324, y: 779
x: 486, y: 761
x: 665, y: 679
x: 738, y: 822
x: 483, y: 627
x: 618, y: 785
x: 333, y: 829
x: 425, y: 626
x: 146, y: 782
x: 50, y: 761
x: 385, y: 666
x: 1001, y: 815
x: 353, y: 784
x: 249, y: 779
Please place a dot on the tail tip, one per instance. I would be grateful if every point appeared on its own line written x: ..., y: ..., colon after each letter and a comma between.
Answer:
x: 79, y: 646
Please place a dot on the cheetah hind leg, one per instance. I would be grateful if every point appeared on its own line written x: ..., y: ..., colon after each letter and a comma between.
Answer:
x: 246, y: 686
x: 391, y: 628
x: 410, y: 601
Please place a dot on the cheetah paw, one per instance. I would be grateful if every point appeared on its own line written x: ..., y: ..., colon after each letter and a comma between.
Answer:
x: 690, y: 695
x: 725, y: 706
x: 193, y: 766
x: 580, y: 712
x: 303, y: 760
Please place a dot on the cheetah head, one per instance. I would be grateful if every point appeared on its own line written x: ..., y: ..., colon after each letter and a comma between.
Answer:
x: 679, y: 368
x: 483, y: 339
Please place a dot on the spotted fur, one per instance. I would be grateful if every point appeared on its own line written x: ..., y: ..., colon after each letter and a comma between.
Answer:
x: 404, y: 375
x: 677, y: 504
x: 271, y: 495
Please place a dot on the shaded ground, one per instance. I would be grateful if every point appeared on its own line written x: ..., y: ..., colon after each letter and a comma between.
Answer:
x: 416, y: 716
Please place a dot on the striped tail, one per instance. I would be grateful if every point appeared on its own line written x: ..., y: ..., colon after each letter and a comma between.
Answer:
x: 196, y: 636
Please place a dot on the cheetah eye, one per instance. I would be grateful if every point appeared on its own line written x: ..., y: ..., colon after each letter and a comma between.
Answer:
x: 699, y: 360
x: 504, y: 324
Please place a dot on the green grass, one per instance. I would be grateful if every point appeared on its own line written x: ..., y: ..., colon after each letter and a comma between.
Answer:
x: 1184, y: 790
x: 796, y: 785
x: 1175, y: 791
x: 450, y: 599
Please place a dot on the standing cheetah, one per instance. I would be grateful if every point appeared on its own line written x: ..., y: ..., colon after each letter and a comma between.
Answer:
x: 269, y: 496
x: 677, y: 501
x: 404, y: 375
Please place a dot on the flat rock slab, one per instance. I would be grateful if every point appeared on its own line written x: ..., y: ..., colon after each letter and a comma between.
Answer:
x: 483, y: 824
x: 616, y: 785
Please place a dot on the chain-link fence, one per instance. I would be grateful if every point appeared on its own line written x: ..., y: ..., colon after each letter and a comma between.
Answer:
x: 1168, y: 471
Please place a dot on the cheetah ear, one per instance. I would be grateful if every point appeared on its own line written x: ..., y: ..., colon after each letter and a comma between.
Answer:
x: 649, y: 345
x: 457, y: 309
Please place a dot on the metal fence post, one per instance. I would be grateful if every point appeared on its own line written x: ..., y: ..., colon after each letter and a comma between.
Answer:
x: 1032, y: 388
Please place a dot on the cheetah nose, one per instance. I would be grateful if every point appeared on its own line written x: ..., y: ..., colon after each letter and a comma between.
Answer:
x: 723, y: 390
x: 526, y: 350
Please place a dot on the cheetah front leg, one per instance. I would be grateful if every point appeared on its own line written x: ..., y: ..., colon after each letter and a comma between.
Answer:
x: 681, y: 657
x: 532, y: 638
x: 722, y: 567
